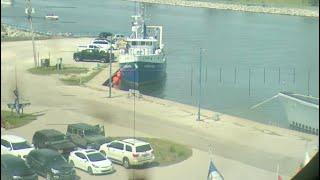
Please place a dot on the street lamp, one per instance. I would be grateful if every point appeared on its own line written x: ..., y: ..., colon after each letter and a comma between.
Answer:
x: 29, y: 10
x: 199, y: 95
x: 110, y: 64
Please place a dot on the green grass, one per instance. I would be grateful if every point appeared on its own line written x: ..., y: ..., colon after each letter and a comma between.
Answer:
x: 12, y: 120
x: 52, y: 70
x: 166, y: 152
x: 77, y: 80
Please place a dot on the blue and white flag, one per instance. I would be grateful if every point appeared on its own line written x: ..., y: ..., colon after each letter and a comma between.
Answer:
x: 213, y: 173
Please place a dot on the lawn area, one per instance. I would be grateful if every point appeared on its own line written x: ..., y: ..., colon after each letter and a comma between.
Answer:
x: 166, y: 152
x: 78, y: 80
x: 12, y: 120
x: 53, y: 70
x: 73, y: 75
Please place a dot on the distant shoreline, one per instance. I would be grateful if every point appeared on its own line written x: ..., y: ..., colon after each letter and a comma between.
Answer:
x: 237, y: 7
x: 14, y: 33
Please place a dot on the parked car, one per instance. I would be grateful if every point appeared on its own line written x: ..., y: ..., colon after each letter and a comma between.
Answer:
x: 128, y: 152
x: 93, y: 55
x: 53, y: 139
x: 86, y: 135
x: 50, y: 164
x: 89, y: 46
x: 15, y: 145
x: 13, y: 168
x: 91, y: 161
x: 104, y: 44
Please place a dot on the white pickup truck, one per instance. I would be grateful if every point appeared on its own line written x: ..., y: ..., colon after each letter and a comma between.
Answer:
x: 98, y: 44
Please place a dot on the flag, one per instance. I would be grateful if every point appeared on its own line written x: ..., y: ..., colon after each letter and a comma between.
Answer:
x: 213, y: 173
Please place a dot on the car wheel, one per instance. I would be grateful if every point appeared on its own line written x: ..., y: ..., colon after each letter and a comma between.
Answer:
x: 126, y: 163
x: 103, y: 60
x: 90, y: 171
x: 48, y: 176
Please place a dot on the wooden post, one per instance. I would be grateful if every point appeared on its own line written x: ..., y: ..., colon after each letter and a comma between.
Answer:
x: 294, y: 75
x: 279, y: 75
x: 206, y: 74
x: 220, y: 74
x: 264, y: 75
x: 249, y: 81
x: 191, y: 80
x: 235, y: 75
x: 308, y: 82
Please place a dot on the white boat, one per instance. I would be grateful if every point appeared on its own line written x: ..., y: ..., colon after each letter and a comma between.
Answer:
x: 52, y: 17
x: 302, y: 111
x: 6, y: 2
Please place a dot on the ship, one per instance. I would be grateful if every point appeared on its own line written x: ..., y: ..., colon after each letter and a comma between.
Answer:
x: 6, y: 2
x: 51, y: 16
x: 143, y: 60
x: 302, y: 111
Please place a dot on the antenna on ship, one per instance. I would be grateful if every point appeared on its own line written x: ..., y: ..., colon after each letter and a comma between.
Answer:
x: 29, y: 10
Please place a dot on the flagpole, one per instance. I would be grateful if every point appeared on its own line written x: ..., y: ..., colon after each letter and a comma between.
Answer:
x: 277, y: 171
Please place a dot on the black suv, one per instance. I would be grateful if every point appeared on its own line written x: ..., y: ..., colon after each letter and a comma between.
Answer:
x: 93, y: 55
x: 13, y: 167
x: 53, y: 139
x: 86, y: 135
x: 50, y: 164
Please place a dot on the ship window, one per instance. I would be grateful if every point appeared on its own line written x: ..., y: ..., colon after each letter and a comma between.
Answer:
x: 134, y: 43
x: 148, y: 43
x: 143, y: 43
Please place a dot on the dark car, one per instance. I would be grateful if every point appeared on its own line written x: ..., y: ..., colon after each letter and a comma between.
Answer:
x: 53, y: 139
x: 92, y: 55
x: 50, y: 164
x: 13, y: 167
x: 86, y: 135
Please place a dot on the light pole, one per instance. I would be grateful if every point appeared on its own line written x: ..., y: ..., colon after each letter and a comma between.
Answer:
x: 199, y: 95
x: 29, y: 10
x: 110, y: 64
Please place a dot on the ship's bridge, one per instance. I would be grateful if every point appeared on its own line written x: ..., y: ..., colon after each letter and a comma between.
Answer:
x: 142, y: 46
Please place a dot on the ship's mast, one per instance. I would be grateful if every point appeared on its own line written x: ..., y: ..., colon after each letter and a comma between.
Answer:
x: 138, y: 23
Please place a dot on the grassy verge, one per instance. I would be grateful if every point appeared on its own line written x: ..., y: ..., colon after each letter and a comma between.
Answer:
x: 166, y: 152
x: 74, y: 80
x: 12, y: 120
x: 52, y: 70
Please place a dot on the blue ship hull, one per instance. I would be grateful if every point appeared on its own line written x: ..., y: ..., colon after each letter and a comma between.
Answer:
x: 142, y: 72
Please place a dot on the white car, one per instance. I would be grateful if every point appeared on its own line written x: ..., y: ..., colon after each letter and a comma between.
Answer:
x: 91, y: 161
x: 105, y: 44
x: 128, y: 152
x: 15, y: 145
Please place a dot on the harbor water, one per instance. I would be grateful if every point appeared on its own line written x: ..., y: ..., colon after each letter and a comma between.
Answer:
x: 247, y: 57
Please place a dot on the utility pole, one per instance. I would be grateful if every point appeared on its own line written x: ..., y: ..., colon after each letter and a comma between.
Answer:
x: 200, y: 64
x: 29, y: 10
x: 110, y: 65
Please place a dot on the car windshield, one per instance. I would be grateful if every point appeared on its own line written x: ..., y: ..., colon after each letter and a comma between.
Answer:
x: 143, y: 148
x: 57, y: 138
x: 96, y: 157
x: 91, y: 132
x: 20, y: 145
x: 57, y: 160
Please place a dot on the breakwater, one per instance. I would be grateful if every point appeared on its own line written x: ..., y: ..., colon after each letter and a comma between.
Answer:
x: 238, y: 7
